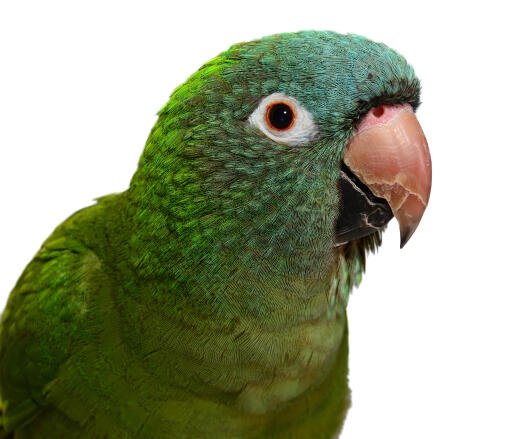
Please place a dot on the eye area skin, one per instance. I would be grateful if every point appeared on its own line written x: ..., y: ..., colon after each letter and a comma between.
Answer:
x: 280, y: 116
x: 283, y: 119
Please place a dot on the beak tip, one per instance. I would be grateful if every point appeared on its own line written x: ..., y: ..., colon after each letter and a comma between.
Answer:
x: 406, y: 233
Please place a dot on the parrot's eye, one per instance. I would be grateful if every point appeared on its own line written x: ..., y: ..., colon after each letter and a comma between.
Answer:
x: 284, y: 120
x: 280, y: 116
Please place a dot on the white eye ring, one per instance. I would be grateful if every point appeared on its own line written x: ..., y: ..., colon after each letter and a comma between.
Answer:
x: 299, y: 132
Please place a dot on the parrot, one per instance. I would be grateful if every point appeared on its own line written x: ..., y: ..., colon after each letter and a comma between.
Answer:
x: 208, y: 300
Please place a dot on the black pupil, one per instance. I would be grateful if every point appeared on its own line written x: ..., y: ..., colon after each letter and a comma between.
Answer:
x: 280, y: 116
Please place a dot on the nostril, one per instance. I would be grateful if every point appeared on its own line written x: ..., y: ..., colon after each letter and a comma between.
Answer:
x: 378, y: 111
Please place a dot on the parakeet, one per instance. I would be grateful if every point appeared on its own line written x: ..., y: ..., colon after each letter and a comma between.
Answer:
x: 209, y: 299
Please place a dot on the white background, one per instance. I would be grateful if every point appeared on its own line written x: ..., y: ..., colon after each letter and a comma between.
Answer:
x: 430, y: 324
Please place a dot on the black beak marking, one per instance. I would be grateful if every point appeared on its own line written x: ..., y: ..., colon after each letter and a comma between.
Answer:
x: 360, y: 211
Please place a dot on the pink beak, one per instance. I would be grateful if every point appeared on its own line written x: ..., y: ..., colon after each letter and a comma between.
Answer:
x: 389, y: 154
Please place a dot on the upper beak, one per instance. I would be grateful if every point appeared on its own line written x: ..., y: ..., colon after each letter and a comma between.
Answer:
x: 389, y: 154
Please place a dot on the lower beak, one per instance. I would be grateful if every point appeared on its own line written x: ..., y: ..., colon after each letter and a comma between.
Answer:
x: 389, y: 154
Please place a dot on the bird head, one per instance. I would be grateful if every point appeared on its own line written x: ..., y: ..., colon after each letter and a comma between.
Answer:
x: 277, y: 153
